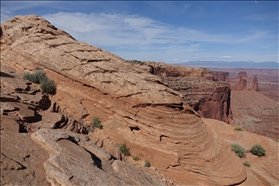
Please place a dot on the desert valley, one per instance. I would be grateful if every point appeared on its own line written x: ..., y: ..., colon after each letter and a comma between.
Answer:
x: 75, y: 114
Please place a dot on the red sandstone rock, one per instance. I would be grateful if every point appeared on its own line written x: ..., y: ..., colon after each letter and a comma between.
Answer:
x: 255, y: 85
x: 134, y: 106
x: 240, y: 85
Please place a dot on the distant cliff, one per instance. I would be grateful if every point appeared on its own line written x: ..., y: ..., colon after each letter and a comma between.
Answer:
x: 207, y: 92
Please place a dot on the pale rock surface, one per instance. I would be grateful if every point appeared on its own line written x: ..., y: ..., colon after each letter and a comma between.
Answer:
x: 73, y: 164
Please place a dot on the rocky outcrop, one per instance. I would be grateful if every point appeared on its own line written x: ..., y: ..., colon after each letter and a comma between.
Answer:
x: 255, y: 85
x: 71, y: 155
x: 240, y: 85
x: 242, y: 81
x: 135, y: 108
x: 243, y: 74
x: 221, y: 76
x: 74, y: 160
x: 208, y: 93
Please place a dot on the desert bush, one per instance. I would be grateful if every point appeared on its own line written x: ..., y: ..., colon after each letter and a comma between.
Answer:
x: 39, y: 77
x: 247, y: 164
x: 258, y: 150
x: 238, y: 129
x: 136, y: 158
x: 48, y: 86
x: 147, y: 163
x: 36, y: 77
x: 123, y: 149
x: 238, y: 149
x: 97, y: 123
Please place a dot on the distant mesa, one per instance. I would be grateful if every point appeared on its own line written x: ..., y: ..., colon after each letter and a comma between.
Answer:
x: 232, y: 64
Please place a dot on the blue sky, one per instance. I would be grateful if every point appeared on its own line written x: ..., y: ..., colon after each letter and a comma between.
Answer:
x: 165, y: 31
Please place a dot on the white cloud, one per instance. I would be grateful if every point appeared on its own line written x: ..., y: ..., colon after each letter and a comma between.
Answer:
x: 225, y: 57
x: 128, y: 30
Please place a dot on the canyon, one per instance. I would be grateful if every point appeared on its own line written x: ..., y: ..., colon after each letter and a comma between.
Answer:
x: 184, y: 130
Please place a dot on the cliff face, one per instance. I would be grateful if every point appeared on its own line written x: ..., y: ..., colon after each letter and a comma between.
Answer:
x: 208, y: 93
x: 134, y: 106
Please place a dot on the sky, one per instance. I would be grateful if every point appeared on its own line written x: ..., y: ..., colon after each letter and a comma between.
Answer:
x: 165, y: 31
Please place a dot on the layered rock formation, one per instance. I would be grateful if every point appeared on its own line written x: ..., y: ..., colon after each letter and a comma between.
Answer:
x: 208, y: 93
x: 135, y: 108
x: 263, y: 170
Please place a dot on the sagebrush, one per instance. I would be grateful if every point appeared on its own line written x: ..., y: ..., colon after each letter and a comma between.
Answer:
x: 238, y: 149
x: 39, y: 77
x: 258, y: 150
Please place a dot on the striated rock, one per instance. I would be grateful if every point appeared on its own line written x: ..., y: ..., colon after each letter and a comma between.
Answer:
x: 73, y: 164
x: 134, y: 106
x: 200, y: 88
x: 263, y: 170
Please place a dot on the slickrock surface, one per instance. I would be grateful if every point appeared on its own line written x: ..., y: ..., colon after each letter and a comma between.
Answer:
x: 74, y: 160
x: 24, y: 110
x: 208, y: 93
x: 264, y: 170
x: 135, y: 108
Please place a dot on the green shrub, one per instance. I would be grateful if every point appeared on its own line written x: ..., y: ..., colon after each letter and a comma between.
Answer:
x: 97, y: 123
x: 48, y: 86
x: 238, y: 149
x: 247, y: 164
x: 238, y: 129
x: 258, y: 150
x: 136, y: 158
x: 123, y: 149
x: 147, y: 163
x: 36, y: 77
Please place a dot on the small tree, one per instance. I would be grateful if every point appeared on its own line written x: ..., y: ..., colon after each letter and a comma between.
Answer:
x: 238, y: 149
x: 123, y: 149
x: 258, y: 150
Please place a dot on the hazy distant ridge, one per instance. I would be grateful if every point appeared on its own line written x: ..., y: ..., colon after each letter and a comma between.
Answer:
x: 233, y: 64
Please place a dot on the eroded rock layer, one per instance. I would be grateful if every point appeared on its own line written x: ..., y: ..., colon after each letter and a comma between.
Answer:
x: 134, y: 106
x: 208, y: 93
